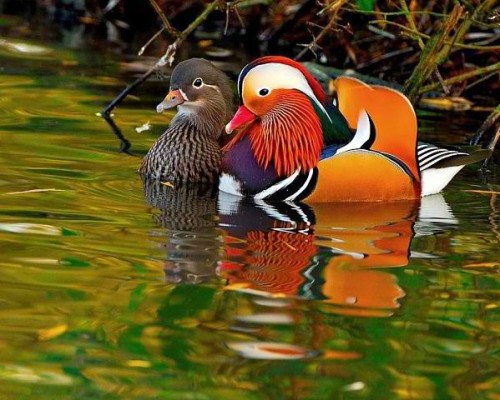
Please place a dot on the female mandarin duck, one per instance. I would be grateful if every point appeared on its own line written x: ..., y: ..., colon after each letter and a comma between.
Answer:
x: 296, y: 146
x: 188, y: 151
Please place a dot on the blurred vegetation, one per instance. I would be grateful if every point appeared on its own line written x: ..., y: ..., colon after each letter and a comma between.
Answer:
x: 444, y: 46
x: 444, y: 52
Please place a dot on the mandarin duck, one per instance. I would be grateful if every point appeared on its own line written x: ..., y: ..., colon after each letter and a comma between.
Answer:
x: 292, y: 144
x: 188, y: 151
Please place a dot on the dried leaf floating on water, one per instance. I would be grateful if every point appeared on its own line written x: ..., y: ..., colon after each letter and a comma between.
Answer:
x: 143, y: 127
x: 51, y: 333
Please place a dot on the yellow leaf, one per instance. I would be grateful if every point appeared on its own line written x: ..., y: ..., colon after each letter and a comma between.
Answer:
x: 51, y: 333
x: 138, y: 363
x: 169, y: 184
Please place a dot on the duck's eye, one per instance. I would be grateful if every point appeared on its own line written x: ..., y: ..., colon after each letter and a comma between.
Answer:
x: 263, y: 92
x: 198, y: 83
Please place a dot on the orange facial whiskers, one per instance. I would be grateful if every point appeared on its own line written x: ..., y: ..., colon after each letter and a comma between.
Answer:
x: 288, y: 135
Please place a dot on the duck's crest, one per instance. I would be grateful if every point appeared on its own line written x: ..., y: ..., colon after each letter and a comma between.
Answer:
x: 313, y: 83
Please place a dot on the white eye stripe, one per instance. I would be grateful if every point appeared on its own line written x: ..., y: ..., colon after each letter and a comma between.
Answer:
x: 198, y: 83
x: 213, y: 87
x: 184, y: 96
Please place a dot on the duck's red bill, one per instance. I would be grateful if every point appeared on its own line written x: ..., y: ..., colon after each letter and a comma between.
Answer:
x: 242, y: 117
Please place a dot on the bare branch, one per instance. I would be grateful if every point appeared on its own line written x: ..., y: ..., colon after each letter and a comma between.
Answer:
x: 166, y: 24
x: 334, y: 7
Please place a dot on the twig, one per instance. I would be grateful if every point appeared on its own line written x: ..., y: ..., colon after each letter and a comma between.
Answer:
x: 462, y: 77
x: 431, y: 54
x: 143, y: 48
x: 476, y: 15
x: 170, y: 53
x: 421, y: 44
x: 492, y: 119
x: 124, y: 143
x: 118, y: 99
x: 417, y: 35
x: 385, y: 56
x: 226, y: 25
x: 441, y: 81
x: 411, y: 22
x: 491, y: 146
x: 477, y: 82
x: 335, y: 7
x: 166, y: 24
x: 239, y: 16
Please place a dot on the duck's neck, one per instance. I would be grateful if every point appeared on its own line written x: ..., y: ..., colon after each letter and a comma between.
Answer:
x: 289, y: 136
x: 207, y: 119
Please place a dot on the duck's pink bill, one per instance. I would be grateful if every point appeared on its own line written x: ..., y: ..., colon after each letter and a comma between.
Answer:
x: 173, y: 99
x: 243, y: 116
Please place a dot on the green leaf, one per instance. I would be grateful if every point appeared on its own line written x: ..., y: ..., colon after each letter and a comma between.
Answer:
x: 365, y: 5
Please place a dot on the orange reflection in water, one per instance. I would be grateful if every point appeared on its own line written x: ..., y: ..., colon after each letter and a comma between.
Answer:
x: 331, y: 257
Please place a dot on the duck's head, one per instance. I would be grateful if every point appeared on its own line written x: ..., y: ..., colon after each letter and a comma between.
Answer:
x: 281, y: 105
x: 201, y: 92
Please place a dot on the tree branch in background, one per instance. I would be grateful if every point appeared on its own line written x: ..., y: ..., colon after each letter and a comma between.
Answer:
x: 334, y: 7
x: 167, y: 58
x: 416, y: 35
x: 421, y: 44
x: 411, y: 22
x: 462, y: 77
x: 492, y: 119
x: 143, y: 48
x: 166, y: 24
x: 478, y: 13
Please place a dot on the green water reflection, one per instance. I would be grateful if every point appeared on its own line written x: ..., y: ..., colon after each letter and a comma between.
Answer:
x: 106, y: 294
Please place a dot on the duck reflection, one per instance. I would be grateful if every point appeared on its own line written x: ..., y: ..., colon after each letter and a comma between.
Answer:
x: 188, y: 213
x: 337, y: 253
x: 332, y: 252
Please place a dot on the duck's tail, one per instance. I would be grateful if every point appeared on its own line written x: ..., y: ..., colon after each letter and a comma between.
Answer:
x: 439, y: 165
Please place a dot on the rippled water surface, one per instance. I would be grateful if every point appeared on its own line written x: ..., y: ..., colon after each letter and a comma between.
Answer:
x: 108, y: 291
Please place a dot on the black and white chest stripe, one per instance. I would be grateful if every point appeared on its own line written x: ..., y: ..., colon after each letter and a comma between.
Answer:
x: 295, y: 187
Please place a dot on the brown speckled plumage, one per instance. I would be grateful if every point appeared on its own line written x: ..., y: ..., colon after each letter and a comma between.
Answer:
x: 189, y: 151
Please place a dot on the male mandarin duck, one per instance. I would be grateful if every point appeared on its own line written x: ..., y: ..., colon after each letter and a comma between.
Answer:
x: 188, y: 151
x: 293, y: 145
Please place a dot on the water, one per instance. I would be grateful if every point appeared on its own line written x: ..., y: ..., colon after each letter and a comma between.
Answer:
x: 110, y: 294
